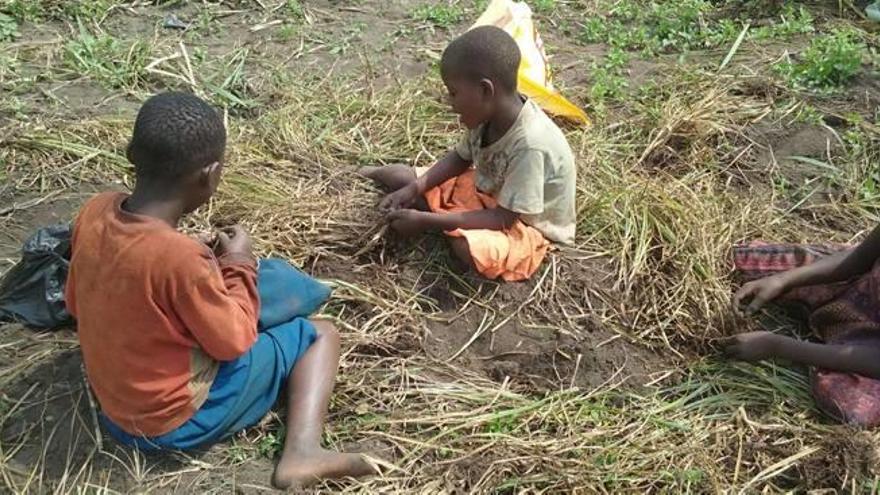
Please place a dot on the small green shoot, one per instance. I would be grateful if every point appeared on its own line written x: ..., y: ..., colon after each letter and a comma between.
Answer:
x: 294, y: 10
x: 287, y: 32
x: 270, y: 444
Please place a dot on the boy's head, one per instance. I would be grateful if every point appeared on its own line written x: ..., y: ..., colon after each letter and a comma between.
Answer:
x: 177, y: 147
x: 480, y: 69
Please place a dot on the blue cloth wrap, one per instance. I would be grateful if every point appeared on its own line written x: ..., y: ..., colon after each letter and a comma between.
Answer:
x: 246, y: 389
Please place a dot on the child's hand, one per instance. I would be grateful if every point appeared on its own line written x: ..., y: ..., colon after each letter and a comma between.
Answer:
x: 234, y: 240
x: 404, y: 197
x: 407, y: 222
x: 206, y: 238
x: 752, y: 346
x: 754, y: 295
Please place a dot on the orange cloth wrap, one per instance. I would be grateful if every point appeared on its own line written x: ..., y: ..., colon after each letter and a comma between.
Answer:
x: 513, y: 254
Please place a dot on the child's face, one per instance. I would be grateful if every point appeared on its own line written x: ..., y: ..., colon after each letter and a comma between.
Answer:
x: 472, y: 101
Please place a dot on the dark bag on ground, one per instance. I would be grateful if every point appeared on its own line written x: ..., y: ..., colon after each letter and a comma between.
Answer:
x: 32, y: 291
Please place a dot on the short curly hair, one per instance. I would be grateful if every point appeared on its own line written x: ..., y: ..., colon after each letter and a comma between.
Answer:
x: 174, y: 134
x: 485, y: 52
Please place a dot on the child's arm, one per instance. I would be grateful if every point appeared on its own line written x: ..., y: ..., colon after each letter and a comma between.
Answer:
x: 411, y: 222
x: 451, y: 165
x: 221, y: 307
x: 846, y: 358
x: 837, y: 267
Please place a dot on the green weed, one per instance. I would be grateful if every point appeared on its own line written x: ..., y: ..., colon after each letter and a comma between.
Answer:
x: 287, y: 32
x: 295, y: 9
x: 8, y: 27
x: 809, y: 114
x: 829, y: 62
x: 439, y: 15
x: 106, y: 59
x: 350, y: 35
x: 608, y: 79
x: 88, y: 9
x: 543, y: 6
x: 792, y: 21
x: 672, y: 26
x: 24, y: 10
x: 270, y: 444
x: 653, y: 27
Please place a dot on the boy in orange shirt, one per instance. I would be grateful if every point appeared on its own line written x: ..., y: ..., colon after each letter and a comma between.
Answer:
x: 169, y: 326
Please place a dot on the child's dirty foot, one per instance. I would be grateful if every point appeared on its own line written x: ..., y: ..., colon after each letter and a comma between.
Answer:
x: 298, y: 469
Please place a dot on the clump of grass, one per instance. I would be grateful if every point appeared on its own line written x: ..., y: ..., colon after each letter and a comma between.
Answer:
x: 114, y: 63
x: 829, y: 62
x: 440, y: 15
x: 288, y: 32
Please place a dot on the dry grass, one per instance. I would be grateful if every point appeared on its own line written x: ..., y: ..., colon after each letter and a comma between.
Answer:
x: 665, y: 188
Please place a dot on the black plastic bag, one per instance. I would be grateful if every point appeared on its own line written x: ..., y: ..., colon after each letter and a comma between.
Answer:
x: 32, y: 291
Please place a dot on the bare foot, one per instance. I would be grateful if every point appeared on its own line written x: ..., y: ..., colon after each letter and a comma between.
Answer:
x: 298, y: 469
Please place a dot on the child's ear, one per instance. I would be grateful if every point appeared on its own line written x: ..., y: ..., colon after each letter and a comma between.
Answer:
x: 488, y: 88
x: 211, y: 174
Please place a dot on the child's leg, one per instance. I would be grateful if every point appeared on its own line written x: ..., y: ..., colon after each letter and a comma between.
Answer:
x: 303, y: 461
x: 460, y: 248
x: 391, y: 177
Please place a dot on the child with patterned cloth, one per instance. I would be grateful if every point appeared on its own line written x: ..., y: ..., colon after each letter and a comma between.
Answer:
x: 840, y: 290
x: 508, y: 187
x: 185, y: 345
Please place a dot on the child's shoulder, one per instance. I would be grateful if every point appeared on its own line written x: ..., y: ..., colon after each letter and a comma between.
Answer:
x: 539, y: 132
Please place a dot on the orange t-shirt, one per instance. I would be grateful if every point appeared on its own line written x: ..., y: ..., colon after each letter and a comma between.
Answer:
x: 156, y: 312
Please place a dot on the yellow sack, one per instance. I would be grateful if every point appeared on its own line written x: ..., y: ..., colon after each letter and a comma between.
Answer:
x: 534, y: 71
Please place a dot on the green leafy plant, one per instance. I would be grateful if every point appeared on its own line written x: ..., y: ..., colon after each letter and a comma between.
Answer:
x: 439, y: 15
x: 24, y: 10
x: 92, y: 9
x: 607, y: 77
x: 679, y: 25
x: 829, y: 61
x: 543, y: 6
x: 792, y: 21
x: 8, y: 27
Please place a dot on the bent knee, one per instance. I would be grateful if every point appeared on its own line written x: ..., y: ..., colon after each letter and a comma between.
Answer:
x: 326, y: 329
